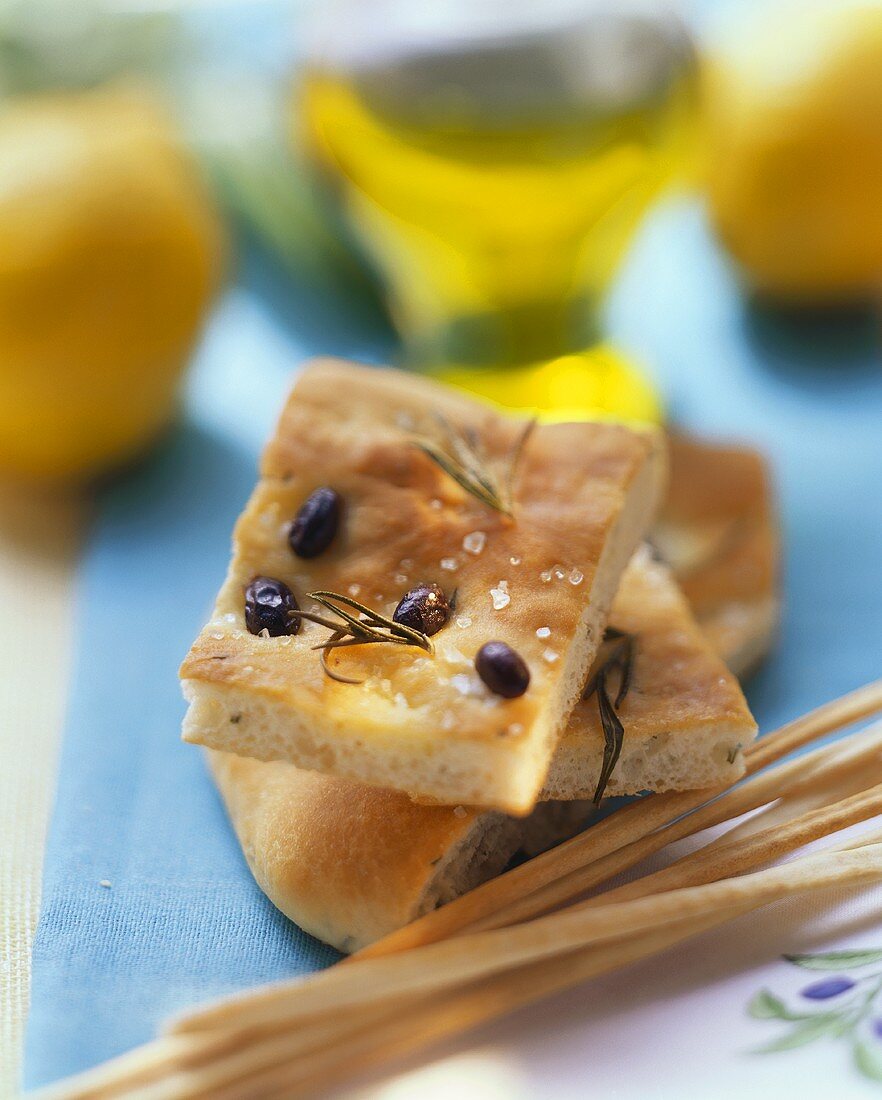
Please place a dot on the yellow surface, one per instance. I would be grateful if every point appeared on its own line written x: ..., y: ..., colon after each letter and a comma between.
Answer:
x: 109, y: 253
x: 38, y: 546
x: 794, y: 148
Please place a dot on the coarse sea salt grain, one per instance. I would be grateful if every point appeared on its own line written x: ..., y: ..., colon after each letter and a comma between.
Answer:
x: 545, y: 576
x: 515, y: 560
x: 576, y: 576
x: 436, y: 505
x: 473, y: 543
x: 450, y: 564
x: 500, y: 596
x: 354, y: 590
x: 543, y: 632
x: 550, y: 655
x: 558, y: 572
x: 218, y: 636
x: 463, y: 622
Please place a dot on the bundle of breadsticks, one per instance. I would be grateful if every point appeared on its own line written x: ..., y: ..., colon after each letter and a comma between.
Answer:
x: 444, y: 637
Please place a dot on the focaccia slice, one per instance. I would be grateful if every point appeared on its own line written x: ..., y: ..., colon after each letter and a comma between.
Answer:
x: 718, y: 531
x: 427, y: 723
x: 684, y: 718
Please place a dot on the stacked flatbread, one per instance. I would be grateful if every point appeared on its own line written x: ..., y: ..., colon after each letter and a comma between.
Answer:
x: 441, y: 635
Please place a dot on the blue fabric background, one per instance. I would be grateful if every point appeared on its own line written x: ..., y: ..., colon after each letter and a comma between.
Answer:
x: 183, y: 920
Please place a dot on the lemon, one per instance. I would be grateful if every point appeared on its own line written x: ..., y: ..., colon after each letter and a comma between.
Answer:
x: 794, y: 143
x: 109, y: 253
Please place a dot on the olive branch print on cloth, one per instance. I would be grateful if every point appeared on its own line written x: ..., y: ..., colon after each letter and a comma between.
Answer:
x: 845, y: 1003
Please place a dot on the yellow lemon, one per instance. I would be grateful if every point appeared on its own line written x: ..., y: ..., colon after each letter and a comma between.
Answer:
x: 794, y: 143
x: 109, y: 253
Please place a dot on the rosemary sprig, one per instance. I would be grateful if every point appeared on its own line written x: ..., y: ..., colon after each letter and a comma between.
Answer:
x: 367, y: 627
x: 461, y: 460
x: 620, y: 656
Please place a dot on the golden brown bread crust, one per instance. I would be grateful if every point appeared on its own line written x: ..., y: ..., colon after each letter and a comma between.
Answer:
x: 584, y: 495
x: 718, y: 531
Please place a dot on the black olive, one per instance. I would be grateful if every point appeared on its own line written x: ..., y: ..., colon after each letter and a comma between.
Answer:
x: 267, y: 603
x: 502, y: 670
x: 424, y: 608
x: 315, y: 524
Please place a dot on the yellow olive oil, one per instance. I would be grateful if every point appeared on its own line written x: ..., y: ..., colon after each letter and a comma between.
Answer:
x: 495, y: 196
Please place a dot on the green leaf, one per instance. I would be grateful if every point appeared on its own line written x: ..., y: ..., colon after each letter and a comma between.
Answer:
x: 804, y: 1033
x: 868, y: 1059
x: 766, y: 1006
x: 836, y: 960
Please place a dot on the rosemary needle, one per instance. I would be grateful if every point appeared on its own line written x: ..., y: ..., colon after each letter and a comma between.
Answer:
x: 613, y: 736
x: 621, y: 657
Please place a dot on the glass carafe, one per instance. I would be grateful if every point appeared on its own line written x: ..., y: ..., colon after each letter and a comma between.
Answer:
x: 493, y: 160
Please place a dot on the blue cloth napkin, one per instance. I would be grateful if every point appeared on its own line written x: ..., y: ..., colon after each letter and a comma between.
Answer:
x: 181, y: 920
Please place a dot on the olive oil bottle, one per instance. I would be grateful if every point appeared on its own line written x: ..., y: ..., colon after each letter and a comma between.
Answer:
x: 493, y: 171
